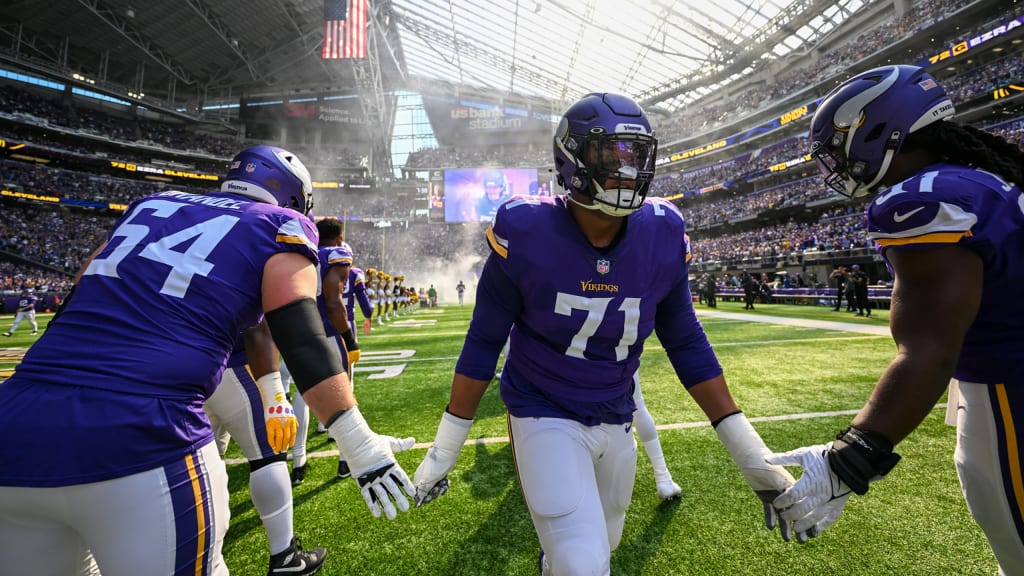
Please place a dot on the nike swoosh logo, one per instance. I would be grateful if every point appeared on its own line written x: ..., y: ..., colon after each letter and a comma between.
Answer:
x: 897, y: 217
x: 288, y: 569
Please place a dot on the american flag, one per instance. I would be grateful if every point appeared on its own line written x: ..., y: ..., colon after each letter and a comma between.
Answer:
x: 344, y: 29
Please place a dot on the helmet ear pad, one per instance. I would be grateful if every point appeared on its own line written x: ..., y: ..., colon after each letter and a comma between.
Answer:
x: 581, y: 180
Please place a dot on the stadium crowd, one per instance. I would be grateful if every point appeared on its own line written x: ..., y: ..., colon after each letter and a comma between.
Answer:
x: 706, y: 115
x: 51, y: 112
x: 382, y: 226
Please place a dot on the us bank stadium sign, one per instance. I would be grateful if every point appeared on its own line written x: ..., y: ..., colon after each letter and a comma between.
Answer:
x: 971, y: 43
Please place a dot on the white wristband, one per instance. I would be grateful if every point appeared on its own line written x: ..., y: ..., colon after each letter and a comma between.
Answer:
x: 452, y: 432
x: 271, y: 388
x: 741, y: 440
x: 354, y: 437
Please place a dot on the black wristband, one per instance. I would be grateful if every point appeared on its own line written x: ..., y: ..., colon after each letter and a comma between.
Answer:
x: 446, y: 409
x: 715, y: 423
x: 334, y: 417
x: 350, y: 340
x: 860, y: 456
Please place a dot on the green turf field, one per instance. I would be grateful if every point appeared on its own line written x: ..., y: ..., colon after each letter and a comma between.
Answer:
x: 913, y: 523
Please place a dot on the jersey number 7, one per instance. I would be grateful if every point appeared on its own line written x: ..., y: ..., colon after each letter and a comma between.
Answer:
x: 596, y: 307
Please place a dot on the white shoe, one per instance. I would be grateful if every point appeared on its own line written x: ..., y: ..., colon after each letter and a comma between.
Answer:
x: 668, y: 490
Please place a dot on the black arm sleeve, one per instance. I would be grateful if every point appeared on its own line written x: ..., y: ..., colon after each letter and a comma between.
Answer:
x: 299, y: 335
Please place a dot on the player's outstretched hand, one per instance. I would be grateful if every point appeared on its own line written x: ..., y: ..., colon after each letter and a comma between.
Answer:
x: 768, y: 481
x: 383, y: 483
x: 818, y: 498
x: 431, y: 478
x: 832, y: 472
x: 399, y: 444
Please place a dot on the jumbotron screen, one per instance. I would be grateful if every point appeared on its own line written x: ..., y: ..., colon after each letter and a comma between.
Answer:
x: 473, y: 195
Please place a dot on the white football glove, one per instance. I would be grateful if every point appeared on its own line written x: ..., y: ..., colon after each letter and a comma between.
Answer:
x: 832, y: 472
x: 399, y: 444
x: 431, y: 476
x: 818, y: 498
x: 277, y: 412
x: 748, y: 451
x: 381, y: 480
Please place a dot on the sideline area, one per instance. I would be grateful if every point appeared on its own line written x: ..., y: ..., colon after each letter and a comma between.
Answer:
x: 875, y: 329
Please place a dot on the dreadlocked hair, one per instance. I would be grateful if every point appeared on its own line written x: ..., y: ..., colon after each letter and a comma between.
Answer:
x: 967, y: 145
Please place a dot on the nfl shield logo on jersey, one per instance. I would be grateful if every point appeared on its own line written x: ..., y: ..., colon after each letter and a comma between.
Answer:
x: 603, y: 266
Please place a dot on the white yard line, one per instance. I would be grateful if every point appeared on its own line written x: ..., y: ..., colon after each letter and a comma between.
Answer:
x: 676, y: 426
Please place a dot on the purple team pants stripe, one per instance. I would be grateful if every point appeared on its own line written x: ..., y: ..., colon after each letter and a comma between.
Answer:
x: 1008, y: 403
x: 259, y: 420
x: 193, y: 519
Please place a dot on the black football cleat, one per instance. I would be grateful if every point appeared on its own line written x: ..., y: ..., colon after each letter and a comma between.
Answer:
x: 295, y: 561
x: 298, y: 474
x: 343, y: 471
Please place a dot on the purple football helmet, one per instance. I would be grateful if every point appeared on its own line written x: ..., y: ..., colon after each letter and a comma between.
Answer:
x: 495, y: 187
x: 605, y: 150
x: 863, y: 122
x: 272, y: 175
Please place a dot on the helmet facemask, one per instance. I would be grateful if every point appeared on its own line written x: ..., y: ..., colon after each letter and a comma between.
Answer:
x: 861, y: 125
x: 849, y: 178
x: 614, y: 170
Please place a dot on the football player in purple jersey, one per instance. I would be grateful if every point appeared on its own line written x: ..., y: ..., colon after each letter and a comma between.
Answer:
x: 26, y: 310
x: 250, y: 404
x: 948, y: 217
x: 335, y: 264
x: 577, y: 283
x: 126, y: 465
x: 355, y: 292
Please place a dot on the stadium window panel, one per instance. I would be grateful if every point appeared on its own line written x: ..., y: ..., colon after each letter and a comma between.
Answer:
x: 26, y: 79
x: 98, y: 96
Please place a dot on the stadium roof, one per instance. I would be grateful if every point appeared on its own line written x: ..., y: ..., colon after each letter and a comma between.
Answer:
x: 665, y: 52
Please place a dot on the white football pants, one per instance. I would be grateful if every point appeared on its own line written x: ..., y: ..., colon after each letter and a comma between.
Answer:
x: 578, y: 482
x: 989, y: 451
x: 162, y: 522
x: 29, y: 315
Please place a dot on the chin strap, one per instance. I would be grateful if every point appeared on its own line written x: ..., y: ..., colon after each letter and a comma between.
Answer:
x: 600, y: 206
x: 572, y: 198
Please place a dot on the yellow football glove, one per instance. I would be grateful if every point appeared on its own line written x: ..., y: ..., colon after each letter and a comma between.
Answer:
x: 351, y: 346
x: 278, y: 412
